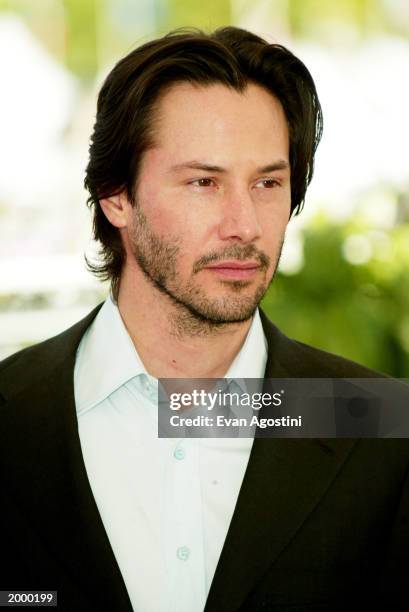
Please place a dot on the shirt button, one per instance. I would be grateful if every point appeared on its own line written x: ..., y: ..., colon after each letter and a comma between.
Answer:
x: 183, y: 553
x: 179, y: 453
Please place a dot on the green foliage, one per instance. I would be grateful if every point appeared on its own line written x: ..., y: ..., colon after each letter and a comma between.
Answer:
x: 205, y: 15
x: 81, y: 37
x: 87, y: 35
x: 359, y: 311
x: 308, y: 17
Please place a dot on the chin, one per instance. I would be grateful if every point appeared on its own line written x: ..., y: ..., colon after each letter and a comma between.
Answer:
x: 219, y: 314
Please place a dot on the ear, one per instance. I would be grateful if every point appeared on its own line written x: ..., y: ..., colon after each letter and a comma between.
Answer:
x: 117, y: 209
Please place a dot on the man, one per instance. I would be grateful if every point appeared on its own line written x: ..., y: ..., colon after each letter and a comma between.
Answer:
x: 202, y: 148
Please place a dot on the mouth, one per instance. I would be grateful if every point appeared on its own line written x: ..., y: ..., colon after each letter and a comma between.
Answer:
x: 236, y: 270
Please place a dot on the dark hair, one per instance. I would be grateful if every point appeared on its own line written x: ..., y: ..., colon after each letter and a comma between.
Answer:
x: 126, y: 102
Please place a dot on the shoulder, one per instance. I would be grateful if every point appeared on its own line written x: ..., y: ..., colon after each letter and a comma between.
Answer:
x: 34, y: 362
x: 289, y: 357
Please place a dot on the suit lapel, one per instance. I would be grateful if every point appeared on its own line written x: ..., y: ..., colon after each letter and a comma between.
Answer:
x: 46, y: 476
x: 284, y: 480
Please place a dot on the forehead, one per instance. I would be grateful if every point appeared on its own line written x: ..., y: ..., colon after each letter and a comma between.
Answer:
x: 194, y: 121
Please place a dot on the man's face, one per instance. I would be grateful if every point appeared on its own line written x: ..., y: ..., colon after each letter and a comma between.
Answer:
x: 213, y: 199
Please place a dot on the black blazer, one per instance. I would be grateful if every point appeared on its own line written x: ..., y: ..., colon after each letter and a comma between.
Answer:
x: 318, y: 524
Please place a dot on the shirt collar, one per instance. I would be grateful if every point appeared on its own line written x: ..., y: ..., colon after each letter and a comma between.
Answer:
x: 107, y: 358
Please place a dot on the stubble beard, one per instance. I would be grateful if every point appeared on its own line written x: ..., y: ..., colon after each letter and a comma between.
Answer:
x: 194, y: 313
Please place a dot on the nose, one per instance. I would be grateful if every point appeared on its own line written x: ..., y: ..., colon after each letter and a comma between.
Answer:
x: 239, y: 217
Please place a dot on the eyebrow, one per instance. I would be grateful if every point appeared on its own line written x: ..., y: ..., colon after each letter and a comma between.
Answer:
x: 281, y: 164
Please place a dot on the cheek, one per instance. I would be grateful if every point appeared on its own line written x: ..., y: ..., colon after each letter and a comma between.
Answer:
x: 172, y: 220
x: 170, y: 224
x: 276, y: 222
x: 160, y: 217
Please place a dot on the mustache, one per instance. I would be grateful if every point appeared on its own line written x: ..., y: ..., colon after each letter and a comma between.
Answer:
x: 233, y: 252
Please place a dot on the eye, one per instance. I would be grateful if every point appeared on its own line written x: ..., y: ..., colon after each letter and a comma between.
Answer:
x: 202, y: 182
x: 268, y: 183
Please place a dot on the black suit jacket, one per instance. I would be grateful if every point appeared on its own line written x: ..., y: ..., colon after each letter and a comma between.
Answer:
x: 318, y: 524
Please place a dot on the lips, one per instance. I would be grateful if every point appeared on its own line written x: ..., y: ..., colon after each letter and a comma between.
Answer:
x: 235, y: 269
x: 235, y: 265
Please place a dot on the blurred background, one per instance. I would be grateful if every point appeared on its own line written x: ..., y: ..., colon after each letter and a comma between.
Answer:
x: 343, y: 283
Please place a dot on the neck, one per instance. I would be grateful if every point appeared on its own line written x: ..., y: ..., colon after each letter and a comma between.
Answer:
x: 170, y: 340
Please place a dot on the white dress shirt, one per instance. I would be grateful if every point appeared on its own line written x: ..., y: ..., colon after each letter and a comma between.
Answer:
x: 166, y: 504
